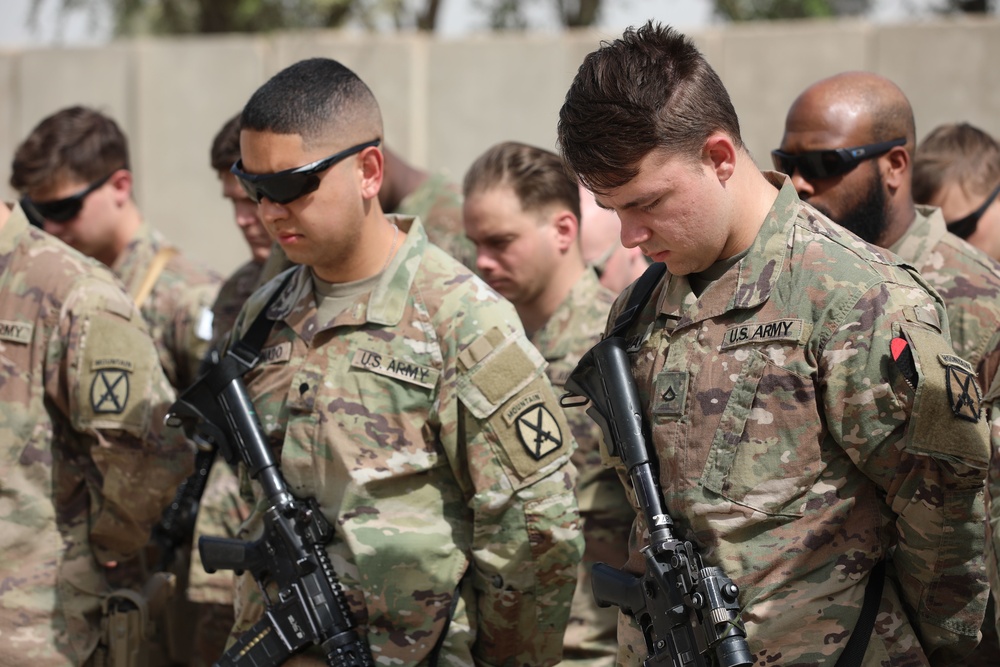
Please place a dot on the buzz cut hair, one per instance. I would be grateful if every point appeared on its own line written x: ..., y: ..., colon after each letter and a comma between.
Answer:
x: 317, y: 99
x: 538, y: 177
x: 651, y: 89
x: 226, y: 145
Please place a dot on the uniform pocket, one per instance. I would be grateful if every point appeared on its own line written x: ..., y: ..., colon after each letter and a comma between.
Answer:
x: 765, y: 453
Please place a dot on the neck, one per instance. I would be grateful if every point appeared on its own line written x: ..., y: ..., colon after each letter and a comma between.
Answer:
x: 753, y: 198
x: 125, y: 230
x: 536, y: 313
x: 378, y: 242
x: 4, y: 214
x: 901, y: 216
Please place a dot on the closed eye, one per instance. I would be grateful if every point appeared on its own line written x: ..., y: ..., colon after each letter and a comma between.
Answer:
x: 648, y: 208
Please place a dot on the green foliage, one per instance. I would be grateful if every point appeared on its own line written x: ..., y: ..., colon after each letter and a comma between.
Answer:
x: 754, y: 10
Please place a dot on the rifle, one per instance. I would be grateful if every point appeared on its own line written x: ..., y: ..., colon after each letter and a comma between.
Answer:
x: 176, y: 524
x: 310, y: 607
x: 684, y: 608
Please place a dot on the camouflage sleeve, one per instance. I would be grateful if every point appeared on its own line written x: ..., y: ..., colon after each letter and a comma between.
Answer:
x: 914, y: 428
x: 192, y: 330
x: 526, y: 534
x: 992, y: 402
x: 116, y: 395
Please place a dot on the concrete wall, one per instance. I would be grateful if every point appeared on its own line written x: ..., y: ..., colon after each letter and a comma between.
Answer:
x: 445, y: 102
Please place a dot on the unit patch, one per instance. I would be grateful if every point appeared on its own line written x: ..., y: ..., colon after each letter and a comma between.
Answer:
x: 515, y: 409
x: 399, y: 369
x: 16, y: 332
x: 761, y: 332
x: 539, y: 432
x: 963, y: 390
x: 109, y: 391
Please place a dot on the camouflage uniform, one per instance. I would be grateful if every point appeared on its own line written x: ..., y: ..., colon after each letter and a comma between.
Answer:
x: 794, y: 453
x: 178, y: 310
x: 438, y: 203
x: 575, y: 327
x: 82, y: 481
x: 421, y: 420
x: 232, y: 295
x: 993, y: 504
x: 968, y: 281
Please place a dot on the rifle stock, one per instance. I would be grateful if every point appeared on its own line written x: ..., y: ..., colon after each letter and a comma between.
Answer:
x: 310, y: 607
x: 689, y: 614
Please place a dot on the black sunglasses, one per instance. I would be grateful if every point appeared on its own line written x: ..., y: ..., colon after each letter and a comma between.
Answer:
x: 60, y: 210
x: 286, y: 186
x: 817, y: 165
x: 963, y: 227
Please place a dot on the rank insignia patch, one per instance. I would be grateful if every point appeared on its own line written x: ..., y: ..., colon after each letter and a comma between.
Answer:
x: 109, y: 391
x: 539, y: 432
x: 963, y: 390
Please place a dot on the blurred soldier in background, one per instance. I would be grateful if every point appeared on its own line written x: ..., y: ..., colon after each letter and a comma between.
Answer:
x: 87, y: 468
x: 600, y: 241
x: 73, y: 172
x: 957, y: 167
x: 522, y: 212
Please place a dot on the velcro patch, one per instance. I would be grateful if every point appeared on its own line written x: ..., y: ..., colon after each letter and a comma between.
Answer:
x: 276, y: 353
x: 109, y: 391
x: 398, y: 369
x: 963, y: 390
x: 539, y: 432
x: 762, y: 332
x: 671, y: 393
x: 16, y: 332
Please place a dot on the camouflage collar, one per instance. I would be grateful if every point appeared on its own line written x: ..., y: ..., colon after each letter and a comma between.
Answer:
x: 571, y: 316
x: 923, y: 235
x: 11, y: 233
x: 750, y: 282
x: 386, y: 302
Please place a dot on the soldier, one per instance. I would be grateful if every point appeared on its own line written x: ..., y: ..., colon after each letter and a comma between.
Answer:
x: 239, y: 286
x: 403, y: 396
x: 870, y: 192
x: 522, y: 212
x: 73, y: 172
x: 600, y: 241
x: 83, y: 477
x: 957, y: 167
x: 796, y: 381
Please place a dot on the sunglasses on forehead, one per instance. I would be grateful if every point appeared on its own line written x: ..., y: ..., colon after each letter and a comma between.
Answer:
x: 817, y: 165
x: 963, y: 227
x: 283, y: 187
x: 59, y: 210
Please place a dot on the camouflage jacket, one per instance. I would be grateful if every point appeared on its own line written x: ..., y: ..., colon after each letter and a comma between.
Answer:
x: 575, y: 327
x: 438, y: 204
x: 178, y: 310
x: 82, y: 480
x: 232, y: 295
x: 796, y: 454
x: 969, y: 282
x: 421, y: 420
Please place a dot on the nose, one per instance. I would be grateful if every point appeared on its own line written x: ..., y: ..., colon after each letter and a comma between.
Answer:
x: 801, y: 185
x: 484, y: 261
x: 633, y: 232
x: 271, y: 211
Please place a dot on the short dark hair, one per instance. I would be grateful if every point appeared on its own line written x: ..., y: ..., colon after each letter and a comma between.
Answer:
x: 77, y: 142
x: 226, y: 145
x: 312, y: 98
x: 650, y: 89
x: 538, y: 177
x: 956, y: 153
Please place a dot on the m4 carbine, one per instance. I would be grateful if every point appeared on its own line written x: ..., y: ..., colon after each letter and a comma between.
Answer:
x: 310, y: 606
x: 689, y: 613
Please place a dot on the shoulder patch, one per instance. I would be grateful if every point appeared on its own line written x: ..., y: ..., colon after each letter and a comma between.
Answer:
x: 963, y: 390
x: 16, y: 332
x: 539, y: 432
x: 109, y: 391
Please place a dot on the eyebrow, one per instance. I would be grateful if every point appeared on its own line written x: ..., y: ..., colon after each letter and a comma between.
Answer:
x: 635, y: 203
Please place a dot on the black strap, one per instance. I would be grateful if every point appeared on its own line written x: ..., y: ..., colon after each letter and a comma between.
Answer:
x: 247, y: 349
x: 643, y: 289
x: 854, y: 652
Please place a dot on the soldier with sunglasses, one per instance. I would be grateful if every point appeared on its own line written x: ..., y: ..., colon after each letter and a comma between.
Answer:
x: 848, y: 148
x: 957, y: 167
x: 401, y: 393
x: 73, y: 172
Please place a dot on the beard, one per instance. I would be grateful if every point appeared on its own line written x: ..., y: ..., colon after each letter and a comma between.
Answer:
x: 869, y: 217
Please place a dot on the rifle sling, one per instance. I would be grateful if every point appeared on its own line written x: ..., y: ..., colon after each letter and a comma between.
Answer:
x: 857, y: 644
x: 643, y: 289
